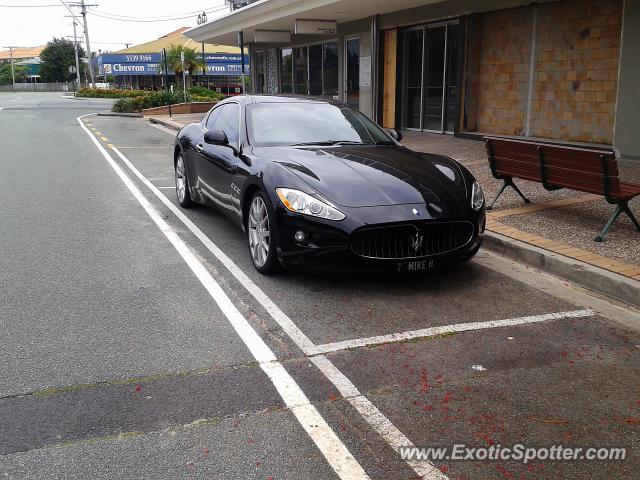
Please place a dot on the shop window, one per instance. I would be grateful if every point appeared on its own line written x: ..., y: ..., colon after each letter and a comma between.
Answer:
x: 330, y: 69
x: 260, y: 73
x: 286, y: 69
x: 310, y: 70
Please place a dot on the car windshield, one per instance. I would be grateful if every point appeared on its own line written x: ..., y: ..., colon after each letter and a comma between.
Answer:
x: 310, y: 123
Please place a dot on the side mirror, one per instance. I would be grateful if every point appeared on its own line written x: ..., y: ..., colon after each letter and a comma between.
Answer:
x: 216, y: 137
x: 395, y: 134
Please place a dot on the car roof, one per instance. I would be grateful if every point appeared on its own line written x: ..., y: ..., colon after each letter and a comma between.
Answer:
x: 249, y: 99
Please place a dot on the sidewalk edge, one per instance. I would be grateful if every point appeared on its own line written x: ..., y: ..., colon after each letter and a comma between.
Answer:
x: 165, y: 123
x: 593, y: 278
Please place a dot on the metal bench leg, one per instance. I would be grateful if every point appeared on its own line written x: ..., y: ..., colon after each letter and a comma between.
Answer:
x: 515, y: 187
x: 508, y: 182
x: 627, y: 210
x: 619, y: 209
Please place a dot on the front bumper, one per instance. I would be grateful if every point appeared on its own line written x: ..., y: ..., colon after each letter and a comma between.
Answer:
x: 327, y: 247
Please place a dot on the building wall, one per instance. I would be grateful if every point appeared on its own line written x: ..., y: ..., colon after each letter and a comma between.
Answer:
x: 501, y: 77
x: 574, y: 78
x: 576, y: 70
x: 627, y: 137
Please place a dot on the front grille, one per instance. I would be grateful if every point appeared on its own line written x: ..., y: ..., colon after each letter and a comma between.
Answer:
x: 411, y: 240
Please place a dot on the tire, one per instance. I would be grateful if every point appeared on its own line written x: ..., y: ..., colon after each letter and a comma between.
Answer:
x: 262, y: 248
x: 182, y: 183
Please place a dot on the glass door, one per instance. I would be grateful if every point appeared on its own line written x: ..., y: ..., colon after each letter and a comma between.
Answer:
x: 352, y: 72
x: 451, y: 90
x: 434, y: 78
x: 430, y: 98
x: 300, y: 71
x: 315, y: 70
x: 413, y: 75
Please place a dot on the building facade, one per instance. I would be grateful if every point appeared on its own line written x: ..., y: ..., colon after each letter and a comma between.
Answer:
x: 560, y: 70
x: 140, y: 66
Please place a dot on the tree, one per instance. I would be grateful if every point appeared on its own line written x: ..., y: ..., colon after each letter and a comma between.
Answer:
x: 21, y: 73
x: 57, y: 57
x: 192, y: 61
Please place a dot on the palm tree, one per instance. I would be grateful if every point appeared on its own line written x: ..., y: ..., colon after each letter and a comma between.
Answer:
x: 191, y: 60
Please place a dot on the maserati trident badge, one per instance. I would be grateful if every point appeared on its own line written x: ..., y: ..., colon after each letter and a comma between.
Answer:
x: 416, y: 241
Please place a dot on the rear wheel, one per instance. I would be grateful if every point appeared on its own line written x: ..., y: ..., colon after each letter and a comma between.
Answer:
x: 182, y: 184
x: 262, y: 245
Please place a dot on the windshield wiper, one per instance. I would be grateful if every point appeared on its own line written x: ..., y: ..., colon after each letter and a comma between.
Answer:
x: 327, y: 143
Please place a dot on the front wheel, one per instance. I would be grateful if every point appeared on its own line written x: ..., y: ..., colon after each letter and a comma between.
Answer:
x: 262, y: 244
x: 182, y: 184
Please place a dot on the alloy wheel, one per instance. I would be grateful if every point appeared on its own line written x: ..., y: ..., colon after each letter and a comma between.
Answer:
x: 181, y: 184
x: 259, y: 234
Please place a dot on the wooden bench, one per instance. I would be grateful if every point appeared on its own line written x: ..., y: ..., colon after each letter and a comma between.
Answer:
x: 558, y: 166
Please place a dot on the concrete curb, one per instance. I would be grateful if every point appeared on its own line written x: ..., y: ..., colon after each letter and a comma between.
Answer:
x: 119, y: 114
x: 593, y: 278
x: 166, y: 123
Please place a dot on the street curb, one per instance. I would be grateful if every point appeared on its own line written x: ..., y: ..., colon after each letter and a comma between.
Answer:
x: 588, y: 276
x: 119, y: 114
x: 165, y: 123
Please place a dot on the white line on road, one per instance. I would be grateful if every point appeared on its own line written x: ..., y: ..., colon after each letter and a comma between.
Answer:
x: 425, y: 469
x: 381, y: 424
x: 166, y: 188
x: 433, y: 331
x: 335, y: 452
x: 300, y: 339
x: 15, y: 99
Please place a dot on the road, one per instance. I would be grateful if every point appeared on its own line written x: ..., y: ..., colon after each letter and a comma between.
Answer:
x: 139, y: 342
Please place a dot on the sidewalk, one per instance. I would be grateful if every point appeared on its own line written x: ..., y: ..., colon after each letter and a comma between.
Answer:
x: 555, y: 232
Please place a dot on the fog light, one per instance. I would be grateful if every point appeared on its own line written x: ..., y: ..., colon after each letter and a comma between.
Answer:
x: 300, y: 236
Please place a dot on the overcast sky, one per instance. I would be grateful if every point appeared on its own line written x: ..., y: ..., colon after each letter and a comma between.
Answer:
x: 27, y: 27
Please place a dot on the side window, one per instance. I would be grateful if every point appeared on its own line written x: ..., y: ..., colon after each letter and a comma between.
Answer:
x: 229, y: 121
x: 213, y: 116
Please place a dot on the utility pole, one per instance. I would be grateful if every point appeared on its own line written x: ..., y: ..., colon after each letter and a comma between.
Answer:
x: 13, y: 73
x: 86, y: 39
x: 75, y: 45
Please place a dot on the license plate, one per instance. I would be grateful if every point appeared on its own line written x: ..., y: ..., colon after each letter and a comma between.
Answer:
x: 416, y: 265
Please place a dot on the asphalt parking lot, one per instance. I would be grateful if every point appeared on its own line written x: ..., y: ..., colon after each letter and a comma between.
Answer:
x: 144, y: 343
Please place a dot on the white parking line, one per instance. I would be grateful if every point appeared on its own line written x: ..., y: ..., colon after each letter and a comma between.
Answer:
x: 433, y: 331
x: 425, y: 469
x: 332, y: 448
x: 381, y: 424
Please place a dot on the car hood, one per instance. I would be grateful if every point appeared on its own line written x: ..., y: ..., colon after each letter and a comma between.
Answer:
x: 365, y: 176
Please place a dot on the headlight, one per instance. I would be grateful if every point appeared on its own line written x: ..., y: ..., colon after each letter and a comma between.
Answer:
x: 477, y: 196
x: 300, y: 202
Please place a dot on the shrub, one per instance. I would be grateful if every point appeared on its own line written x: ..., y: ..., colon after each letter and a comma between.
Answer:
x: 128, y: 105
x: 203, y: 92
x: 162, y: 97
x: 109, y: 93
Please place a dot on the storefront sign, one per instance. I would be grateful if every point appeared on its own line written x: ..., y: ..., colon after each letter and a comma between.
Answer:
x: 365, y: 71
x: 316, y: 27
x: 226, y: 64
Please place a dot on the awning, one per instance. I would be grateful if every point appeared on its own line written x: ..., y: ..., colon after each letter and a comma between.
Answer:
x: 280, y: 15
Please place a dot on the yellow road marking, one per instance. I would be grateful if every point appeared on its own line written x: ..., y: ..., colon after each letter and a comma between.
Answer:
x: 110, y: 145
x: 104, y: 139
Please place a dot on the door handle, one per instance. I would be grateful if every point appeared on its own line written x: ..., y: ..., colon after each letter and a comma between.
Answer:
x: 199, y: 148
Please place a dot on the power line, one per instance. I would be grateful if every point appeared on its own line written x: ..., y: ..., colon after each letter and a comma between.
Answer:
x: 139, y: 20
x: 29, y: 6
x: 171, y: 16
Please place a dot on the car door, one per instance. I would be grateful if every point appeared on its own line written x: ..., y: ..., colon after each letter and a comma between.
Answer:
x: 217, y: 164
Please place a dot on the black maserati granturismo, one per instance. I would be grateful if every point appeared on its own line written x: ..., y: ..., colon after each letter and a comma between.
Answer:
x: 316, y: 185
